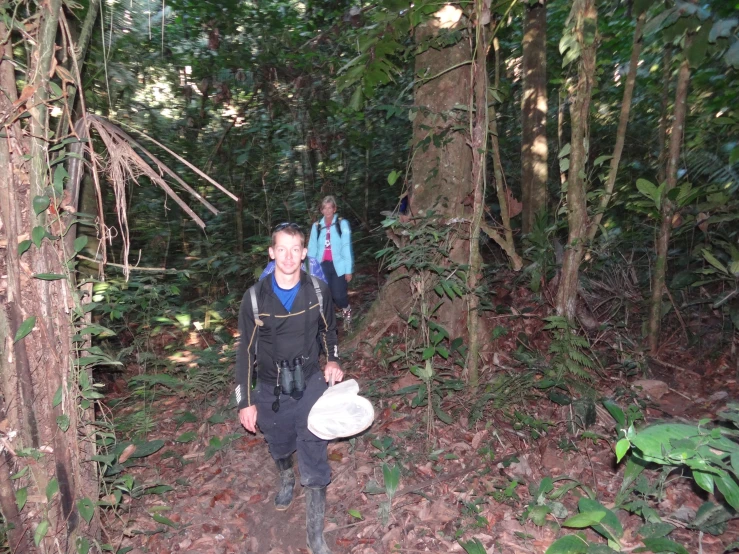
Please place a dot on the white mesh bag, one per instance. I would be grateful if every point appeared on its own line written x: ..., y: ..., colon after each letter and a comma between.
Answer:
x: 340, y: 412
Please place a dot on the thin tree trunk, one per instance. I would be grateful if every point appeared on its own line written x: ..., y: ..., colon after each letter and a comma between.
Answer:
x: 623, y: 122
x: 586, y: 15
x: 478, y: 144
x: 534, y: 148
x: 664, y: 114
x: 667, y: 207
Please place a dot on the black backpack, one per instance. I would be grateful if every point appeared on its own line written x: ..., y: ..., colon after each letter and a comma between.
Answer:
x: 338, y: 225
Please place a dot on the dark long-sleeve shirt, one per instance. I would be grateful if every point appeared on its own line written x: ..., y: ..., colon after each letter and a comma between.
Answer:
x: 304, y: 332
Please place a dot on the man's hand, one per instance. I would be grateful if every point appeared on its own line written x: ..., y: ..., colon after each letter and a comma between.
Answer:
x: 348, y: 277
x: 248, y: 418
x: 332, y: 372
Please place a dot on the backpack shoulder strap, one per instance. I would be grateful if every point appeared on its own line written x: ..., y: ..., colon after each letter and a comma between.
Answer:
x: 317, y: 286
x: 255, y: 310
x: 338, y: 225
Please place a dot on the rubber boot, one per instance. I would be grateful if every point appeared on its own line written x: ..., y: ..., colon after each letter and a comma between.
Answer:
x: 315, y: 512
x: 284, y: 496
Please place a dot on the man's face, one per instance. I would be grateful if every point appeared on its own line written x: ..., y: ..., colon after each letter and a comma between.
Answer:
x: 288, y: 253
x: 328, y: 210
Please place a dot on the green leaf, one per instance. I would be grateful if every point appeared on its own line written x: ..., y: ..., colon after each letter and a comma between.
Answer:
x: 37, y: 235
x: 355, y: 514
x: 25, y: 328
x: 650, y: 191
x: 163, y: 520
x: 51, y: 489
x: 473, y: 546
x: 704, y: 480
x: 40, y: 532
x: 23, y: 246
x: 20, y: 474
x: 662, y: 544
x: 147, y: 448
x: 86, y: 508
x: 49, y: 276
x: 393, y: 177
x: 616, y: 412
x: 63, y: 422
x: 80, y: 242
x: 722, y: 28
x: 21, y: 495
x: 442, y: 415
x: 188, y: 436
x: 392, y: 479
x: 57, y: 397
x: 59, y: 175
x: 622, y: 447
x: 40, y: 203
x: 729, y: 488
x: 569, y: 544
x: 357, y: 100
x: 83, y: 545
x: 732, y: 55
x: 584, y: 519
x: 711, y: 259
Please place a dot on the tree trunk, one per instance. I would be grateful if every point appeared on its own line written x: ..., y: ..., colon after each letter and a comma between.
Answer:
x: 664, y: 114
x: 40, y: 377
x: 585, y: 16
x: 534, y: 148
x: 667, y: 207
x: 442, y: 161
x: 478, y: 145
x: 623, y: 122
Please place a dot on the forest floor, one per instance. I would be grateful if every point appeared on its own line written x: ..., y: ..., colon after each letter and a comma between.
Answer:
x: 462, y: 481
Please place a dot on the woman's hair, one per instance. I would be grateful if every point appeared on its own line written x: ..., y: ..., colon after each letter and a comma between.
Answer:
x: 329, y: 200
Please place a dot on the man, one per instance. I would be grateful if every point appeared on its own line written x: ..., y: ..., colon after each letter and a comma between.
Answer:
x: 290, y: 330
x: 331, y: 244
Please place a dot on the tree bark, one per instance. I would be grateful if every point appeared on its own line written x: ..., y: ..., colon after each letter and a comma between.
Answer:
x: 664, y: 114
x: 623, y: 122
x: 667, y: 207
x: 478, y: 145
x: 534, y: 147
x: 585, y: 16
x: 442, y: 160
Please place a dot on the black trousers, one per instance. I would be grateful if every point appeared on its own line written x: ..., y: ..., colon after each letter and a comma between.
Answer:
x: 287, y: 430
x: 337, y: 284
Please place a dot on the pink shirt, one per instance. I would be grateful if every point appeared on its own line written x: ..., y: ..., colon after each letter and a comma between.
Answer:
x: 327, y: 255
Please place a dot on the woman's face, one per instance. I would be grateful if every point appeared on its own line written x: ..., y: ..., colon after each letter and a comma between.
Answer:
x: 328, y: 210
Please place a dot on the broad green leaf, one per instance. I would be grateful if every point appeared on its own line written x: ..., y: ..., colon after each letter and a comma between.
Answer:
x: 442, y: 415
x: 40, y: 203
x: 393, y: 177
x: 25, y: 328
x: 662, y: 544
x: 57, y: 397
x: 355, y: 514
x: 23, y: 246
x: 80, y: 242
x: 83, y: 545
x: 21, y: 495
x: 473, y: 546
x: 729, y: 488
x: 649, y: 190
x: 59, y: 175
x: 20, y: 474
x: 392, y: 479
x: 610, y: 526
x: 704, y: 480
x: 86, y: 508
x: 147, y: 448
x: 584, y: 519
x: 40, y: 532
x: 63, y: 422
x: 37, y: 235
x: 569, y: 544
x: 188, y: 436
x: 622, y: 447
x: 51, y: 489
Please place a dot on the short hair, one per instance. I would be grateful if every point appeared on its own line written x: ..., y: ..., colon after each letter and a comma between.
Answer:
x: 292, y: 229
x: 329, y: 200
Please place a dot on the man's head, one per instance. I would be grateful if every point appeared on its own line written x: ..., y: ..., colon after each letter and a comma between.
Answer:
x: 288, y: 248
x: 328, y: 207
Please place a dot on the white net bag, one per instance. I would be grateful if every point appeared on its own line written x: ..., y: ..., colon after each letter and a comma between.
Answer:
x: 340, y: 412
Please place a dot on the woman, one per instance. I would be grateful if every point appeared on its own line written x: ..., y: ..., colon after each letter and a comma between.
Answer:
x: 331, y: 244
